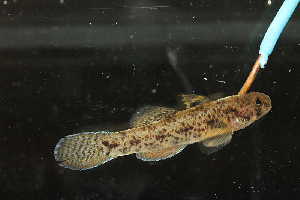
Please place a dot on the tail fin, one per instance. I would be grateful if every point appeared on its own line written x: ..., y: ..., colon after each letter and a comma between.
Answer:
x: 81, y: 151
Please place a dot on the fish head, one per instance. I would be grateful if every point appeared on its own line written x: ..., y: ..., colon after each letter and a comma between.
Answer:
x: 247, y: 108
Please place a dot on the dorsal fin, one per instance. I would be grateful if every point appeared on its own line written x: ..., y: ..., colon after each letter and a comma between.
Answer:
x: 214, y: 144
x: 148, y: 115
x: 193, y: 100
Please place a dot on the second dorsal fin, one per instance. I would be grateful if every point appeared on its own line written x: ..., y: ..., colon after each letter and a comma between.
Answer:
x: 148, y: 115
x: 193, y: 100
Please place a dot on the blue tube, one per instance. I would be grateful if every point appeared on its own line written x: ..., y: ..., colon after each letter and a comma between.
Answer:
x: 275, y: 29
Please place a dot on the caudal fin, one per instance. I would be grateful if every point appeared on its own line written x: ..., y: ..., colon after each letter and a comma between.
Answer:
x: 81, y: 151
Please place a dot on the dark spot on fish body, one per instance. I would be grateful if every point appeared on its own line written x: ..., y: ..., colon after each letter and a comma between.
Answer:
x: 105, y: 143
x: 122, y: 138
x: 184, y: 129
x: 113, y: 145
x: 230, y: 110
x: 170, y: 118
x: 246, y: 117
x: 159, y: 137
x: 100, y: 149
x: 164, y: 130
x: 196, y: 130
x: 134, y: 142
x: 110, y: 146
x: 215, y: 123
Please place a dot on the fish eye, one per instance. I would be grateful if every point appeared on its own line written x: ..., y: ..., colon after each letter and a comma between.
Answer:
x: 257, y: 101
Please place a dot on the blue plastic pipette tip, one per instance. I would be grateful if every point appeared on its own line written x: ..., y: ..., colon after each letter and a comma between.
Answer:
x: 275, y: 29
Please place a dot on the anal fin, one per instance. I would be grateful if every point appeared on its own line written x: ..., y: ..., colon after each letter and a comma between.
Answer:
x: 160, y: 154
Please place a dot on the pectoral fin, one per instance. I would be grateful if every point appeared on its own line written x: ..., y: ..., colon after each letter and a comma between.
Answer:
x: 214, y: 144
x: 160, y: 154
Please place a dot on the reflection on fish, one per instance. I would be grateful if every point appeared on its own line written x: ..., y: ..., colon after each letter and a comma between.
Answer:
x: 159, y: 133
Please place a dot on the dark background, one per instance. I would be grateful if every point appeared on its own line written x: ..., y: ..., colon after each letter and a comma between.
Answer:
x: 73, y: 66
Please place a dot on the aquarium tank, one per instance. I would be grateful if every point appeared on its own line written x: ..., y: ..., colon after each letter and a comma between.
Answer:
x: 69, y: 67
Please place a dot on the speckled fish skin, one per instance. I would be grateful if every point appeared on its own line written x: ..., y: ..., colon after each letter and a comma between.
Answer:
x: 196, y: 124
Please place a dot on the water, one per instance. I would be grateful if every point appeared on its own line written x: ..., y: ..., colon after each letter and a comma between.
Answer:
x: 78, y: 66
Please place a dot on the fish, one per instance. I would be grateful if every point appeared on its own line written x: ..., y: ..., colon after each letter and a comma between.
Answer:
x: 159, y: 133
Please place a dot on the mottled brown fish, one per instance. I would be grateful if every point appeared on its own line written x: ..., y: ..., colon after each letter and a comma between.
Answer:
x: 159, y: 133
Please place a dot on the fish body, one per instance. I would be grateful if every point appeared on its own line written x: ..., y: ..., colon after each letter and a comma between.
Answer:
x: 159, y: 133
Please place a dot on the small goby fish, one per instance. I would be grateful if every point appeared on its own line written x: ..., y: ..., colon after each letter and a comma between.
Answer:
x: 159, y: 133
